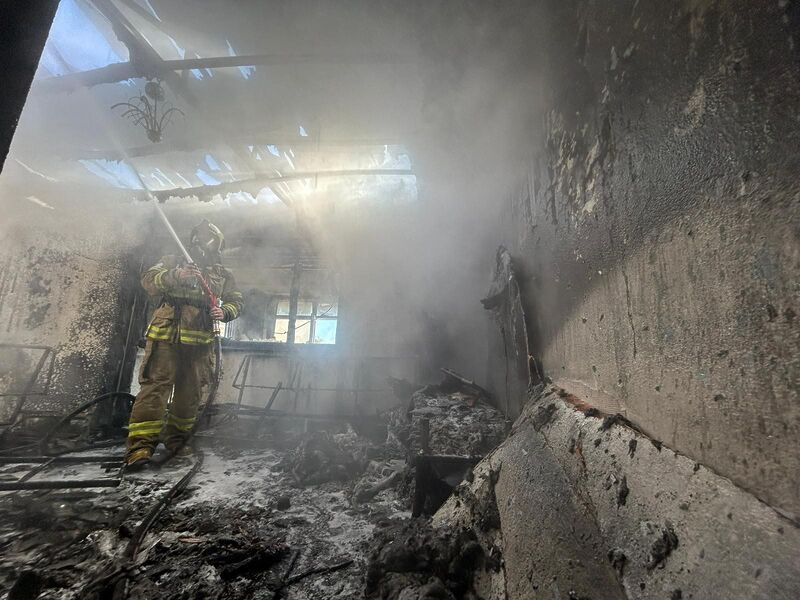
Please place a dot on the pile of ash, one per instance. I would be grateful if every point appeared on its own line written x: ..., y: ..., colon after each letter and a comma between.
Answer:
x: 295, y: 518
x: 378, y: 477
x: 321, y: 457
x: 454, y: 422
x: 442, y: 433
x: 196, y: 556
x: 243, y: 528
x: 453, y: 418
x: 398, y: 433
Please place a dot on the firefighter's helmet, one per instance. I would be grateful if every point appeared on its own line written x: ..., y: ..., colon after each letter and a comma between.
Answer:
x: 207, y: 237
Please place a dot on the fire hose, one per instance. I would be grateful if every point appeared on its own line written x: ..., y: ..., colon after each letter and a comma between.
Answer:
x: 213, y: 301
x: 116, y: 578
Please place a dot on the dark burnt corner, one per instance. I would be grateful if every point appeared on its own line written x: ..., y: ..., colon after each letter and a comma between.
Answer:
x: 505, y: 300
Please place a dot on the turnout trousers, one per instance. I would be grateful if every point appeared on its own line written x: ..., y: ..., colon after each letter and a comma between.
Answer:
x: 176, y: 371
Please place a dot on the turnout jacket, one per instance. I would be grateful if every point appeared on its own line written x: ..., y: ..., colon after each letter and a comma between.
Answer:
x: 183, y: 315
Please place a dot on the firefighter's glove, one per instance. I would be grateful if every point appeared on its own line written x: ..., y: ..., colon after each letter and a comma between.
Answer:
x: 216, y: 313
x: 187, y: 275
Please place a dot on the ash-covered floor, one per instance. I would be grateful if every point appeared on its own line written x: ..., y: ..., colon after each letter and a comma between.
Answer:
x: 306, y: 515
x: 239, y: 505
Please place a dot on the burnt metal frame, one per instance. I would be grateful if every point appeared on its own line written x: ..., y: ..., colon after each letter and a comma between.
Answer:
x: 47, y: 352
x: 262, y: 180
x: 262, y: 413
x: 42, y: 463
x: 294, y: 386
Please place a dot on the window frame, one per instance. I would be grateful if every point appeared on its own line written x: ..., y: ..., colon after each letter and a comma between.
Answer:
x: 292, y: 317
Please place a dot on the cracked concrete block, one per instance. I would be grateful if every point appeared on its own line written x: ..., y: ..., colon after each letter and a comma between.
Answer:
x: 590, y: 507
x: 473, y: 506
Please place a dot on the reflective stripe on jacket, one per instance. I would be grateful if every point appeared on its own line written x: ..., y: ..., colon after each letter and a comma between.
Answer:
x: 183, y: 317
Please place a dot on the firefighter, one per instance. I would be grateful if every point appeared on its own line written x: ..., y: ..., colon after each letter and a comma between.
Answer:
x: 178, y: 355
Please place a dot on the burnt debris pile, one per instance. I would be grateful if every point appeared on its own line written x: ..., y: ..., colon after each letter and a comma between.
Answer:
x: 411, y: 559
x: 195, y: 554
x: 445, y: 430
x: 322, y: 457
x: 307, y: 510
x: 453, y: 419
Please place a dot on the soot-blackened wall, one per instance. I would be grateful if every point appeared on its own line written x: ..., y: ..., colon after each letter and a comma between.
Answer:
x: 659, y: 228
x: 68, y: 280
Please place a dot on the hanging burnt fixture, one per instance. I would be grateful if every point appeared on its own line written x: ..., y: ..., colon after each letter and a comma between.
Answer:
x: 150, y: 110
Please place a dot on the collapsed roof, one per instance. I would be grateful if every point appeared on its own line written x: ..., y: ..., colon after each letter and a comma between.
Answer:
x: 265, y: 114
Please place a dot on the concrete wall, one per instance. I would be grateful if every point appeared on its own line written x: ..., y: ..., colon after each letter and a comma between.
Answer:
x: 658, y: 226
x: 65, y: 282
x: 23, y: 29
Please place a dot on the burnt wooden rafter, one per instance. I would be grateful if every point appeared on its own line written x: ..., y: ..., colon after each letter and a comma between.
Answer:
x: 144, y: 61
x: 203, y: 142
x: 168, y: 68
x: 255, y: 184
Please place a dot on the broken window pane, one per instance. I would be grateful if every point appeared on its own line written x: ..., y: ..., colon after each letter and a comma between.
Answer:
x: 325, y: 331
x: 267, y: 319
x: 325, y: 309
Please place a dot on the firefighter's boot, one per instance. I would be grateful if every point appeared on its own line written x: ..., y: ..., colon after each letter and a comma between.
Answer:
x: 138, y: 459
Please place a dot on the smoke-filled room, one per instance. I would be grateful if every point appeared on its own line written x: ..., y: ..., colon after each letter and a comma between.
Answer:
x: 381, y: 300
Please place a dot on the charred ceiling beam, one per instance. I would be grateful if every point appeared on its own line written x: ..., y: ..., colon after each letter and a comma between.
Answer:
x: 76, y: 81
x: 144, y: 60
x: 166, y: 69
x: 142, y: 56
x: 258, y: 60
x: 146, y: 15
x: 251, y: 162
x: 208, y: 142
x: 254, y: 185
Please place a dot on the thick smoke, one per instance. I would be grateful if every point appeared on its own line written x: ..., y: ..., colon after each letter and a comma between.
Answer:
x: 412, y: 274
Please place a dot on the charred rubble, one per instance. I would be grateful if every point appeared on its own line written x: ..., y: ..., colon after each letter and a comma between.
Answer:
x: 412, y: 559
x: 295, y: 515
x: 450, y: 427
x: 618, y: 419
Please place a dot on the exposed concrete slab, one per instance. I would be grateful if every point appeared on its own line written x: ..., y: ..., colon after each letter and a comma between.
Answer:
x: 537, y: 507
x: 589, y: 505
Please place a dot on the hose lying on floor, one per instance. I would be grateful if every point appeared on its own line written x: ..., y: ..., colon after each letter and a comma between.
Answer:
x: 41, y: 445
x: 116, y: 577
